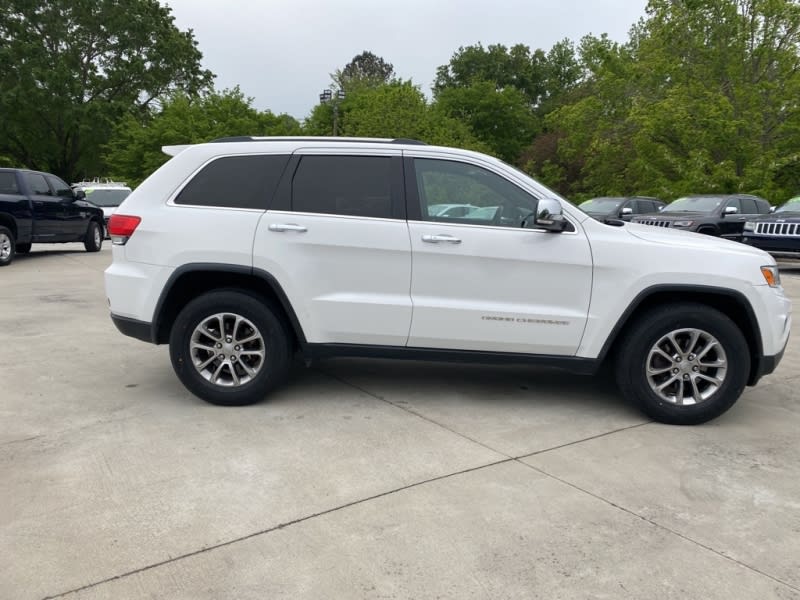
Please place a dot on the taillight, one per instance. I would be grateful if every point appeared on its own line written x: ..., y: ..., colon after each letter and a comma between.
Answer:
x: 121, y: 228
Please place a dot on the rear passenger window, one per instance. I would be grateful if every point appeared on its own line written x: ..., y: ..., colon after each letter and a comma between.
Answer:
x: 344, y: 185
x: 749, y: 206
x: 37, y: 184
x: 235, y: 182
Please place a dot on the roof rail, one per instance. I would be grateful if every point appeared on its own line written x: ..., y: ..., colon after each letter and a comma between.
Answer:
x: 355, y: 140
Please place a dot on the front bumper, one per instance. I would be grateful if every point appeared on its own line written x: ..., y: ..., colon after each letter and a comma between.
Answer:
x: 779, y: 247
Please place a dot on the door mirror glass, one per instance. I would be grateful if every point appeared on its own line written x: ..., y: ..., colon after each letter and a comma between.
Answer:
x: 731, y: 210
x: 549, y: 215
x: 627, y: 211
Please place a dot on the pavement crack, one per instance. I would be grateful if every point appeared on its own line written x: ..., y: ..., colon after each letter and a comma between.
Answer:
x: 276, y: 528
x: 414, y: 412
x: 660, y: 525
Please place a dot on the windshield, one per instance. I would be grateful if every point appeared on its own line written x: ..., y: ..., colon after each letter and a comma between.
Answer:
x: 101, y: 197
x: 701, y: 204
x: 792, y: 205
x: 601, y: 205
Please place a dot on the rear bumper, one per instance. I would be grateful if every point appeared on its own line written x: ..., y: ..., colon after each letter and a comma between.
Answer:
x: 140, y: 330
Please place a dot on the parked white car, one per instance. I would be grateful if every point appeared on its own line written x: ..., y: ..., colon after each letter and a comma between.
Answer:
x: 243, y: 252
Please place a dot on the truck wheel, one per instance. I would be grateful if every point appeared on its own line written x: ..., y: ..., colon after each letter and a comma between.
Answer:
x: 23, y: 248
x: 229, y: 347
x: 7, y: 246
x: 94, y: 237
x: 683, y: 364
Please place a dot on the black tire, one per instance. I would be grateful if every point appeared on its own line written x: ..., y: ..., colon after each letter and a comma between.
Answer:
x: 23, y: 248
x: 8, y: 246
x: 648, y: 329
x: 93, y: 241
x: 265, y: 320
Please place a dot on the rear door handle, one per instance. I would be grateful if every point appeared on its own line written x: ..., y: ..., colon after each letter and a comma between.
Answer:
x: 436, y: 239
x: 287, y: 227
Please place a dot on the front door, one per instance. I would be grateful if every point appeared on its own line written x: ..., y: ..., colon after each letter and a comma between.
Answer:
x: 74, y: 220
x: 336, y: 239
x: 46, y: 209
x: 484, y: 281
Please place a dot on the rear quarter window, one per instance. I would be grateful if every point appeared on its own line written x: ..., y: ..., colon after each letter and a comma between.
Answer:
x: 235, y: 182
x: 8, y: 183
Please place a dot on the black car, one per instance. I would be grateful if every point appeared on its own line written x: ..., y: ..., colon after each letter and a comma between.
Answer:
x: 620, y: 207
x: 722, y: 215
x: 777, y: 233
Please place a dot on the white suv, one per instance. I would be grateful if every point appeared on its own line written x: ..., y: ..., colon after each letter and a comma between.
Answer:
x: 242, y: 252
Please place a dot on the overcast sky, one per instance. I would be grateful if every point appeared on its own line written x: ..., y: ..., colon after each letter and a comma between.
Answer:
x: 281, y: 52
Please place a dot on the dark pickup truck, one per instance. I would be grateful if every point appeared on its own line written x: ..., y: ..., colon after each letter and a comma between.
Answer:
x: 39, y: 208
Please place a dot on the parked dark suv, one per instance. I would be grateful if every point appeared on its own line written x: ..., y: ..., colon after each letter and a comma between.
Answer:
x: 777, y: 233
x: 620, y: 207
x: 721, y: 215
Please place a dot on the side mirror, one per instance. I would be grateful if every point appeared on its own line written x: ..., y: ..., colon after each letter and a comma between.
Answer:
x: 772, y: 209
x: 626, y: 211
x: 731, y: 210
x: 550, y: 215
x: 79, y: 194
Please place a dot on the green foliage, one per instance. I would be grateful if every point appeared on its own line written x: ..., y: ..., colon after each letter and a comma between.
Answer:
x: 392, y: 110
x: 364, y: 70
x: 69, y: 70
x: 135, y: 147
x: 701, y: 99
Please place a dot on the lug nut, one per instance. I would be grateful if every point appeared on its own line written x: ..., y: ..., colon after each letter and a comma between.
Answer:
x: 221, y: 357
x: 229, y: 340
x: 237, y: 348
x: 686, y: 376
x: 675, y: 371
x: 678, y: 359
x: 219, y: 345
x: 233, y: 359
x: 691, y: 357
x: 695, y: 369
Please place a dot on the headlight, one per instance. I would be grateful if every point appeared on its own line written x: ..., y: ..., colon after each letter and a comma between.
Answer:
x: 771, y: 275
x: 749, y: 226
x: 683, y: 223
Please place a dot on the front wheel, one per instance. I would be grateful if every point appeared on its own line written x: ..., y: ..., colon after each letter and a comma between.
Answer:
x: 94, y: 237
x: 229, y: 347
x: 683, y: 364
x: 7, y: 246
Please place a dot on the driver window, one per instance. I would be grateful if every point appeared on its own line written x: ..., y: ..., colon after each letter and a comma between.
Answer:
x: 455, y: 192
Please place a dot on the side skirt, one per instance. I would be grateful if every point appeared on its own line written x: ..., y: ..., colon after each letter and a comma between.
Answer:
x: 581, y: 366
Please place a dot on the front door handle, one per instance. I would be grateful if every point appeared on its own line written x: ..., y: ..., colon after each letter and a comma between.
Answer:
x: 287, y: 227
x: 436, y: 239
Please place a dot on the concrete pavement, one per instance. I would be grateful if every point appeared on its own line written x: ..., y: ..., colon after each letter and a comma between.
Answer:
x: 368, y: 479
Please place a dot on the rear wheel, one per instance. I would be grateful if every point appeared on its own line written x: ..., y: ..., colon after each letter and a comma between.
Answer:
x: 683, y: 364
x: 94, y: 237
x: 7, y: 246
x: 229, y: 347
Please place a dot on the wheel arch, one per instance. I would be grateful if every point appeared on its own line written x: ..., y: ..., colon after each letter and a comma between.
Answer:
x: 731, y: 303
x: 189, y: 281
x: 9, y: 222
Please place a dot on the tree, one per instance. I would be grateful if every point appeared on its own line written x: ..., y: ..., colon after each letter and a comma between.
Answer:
x: 135, y: 147
x: 365, y: 69
x: 69, y: 70
x: 392, y: 110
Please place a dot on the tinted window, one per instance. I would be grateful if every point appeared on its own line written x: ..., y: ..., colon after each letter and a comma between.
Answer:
x: 605, y: 206
x: 37, y: 184
x: 8, y: 183
x: 749, y: 206
x: 235, y: 182
x: 59, y: 187
x: 486, y: 198
x: 763, y: 207
x: 106, y: 197
x: 344, y: 185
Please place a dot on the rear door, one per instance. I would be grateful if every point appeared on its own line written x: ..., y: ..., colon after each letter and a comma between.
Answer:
x: 73, y: 219
x: 485, y: 282
x: 337, y: 241
x: 46, y: 207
